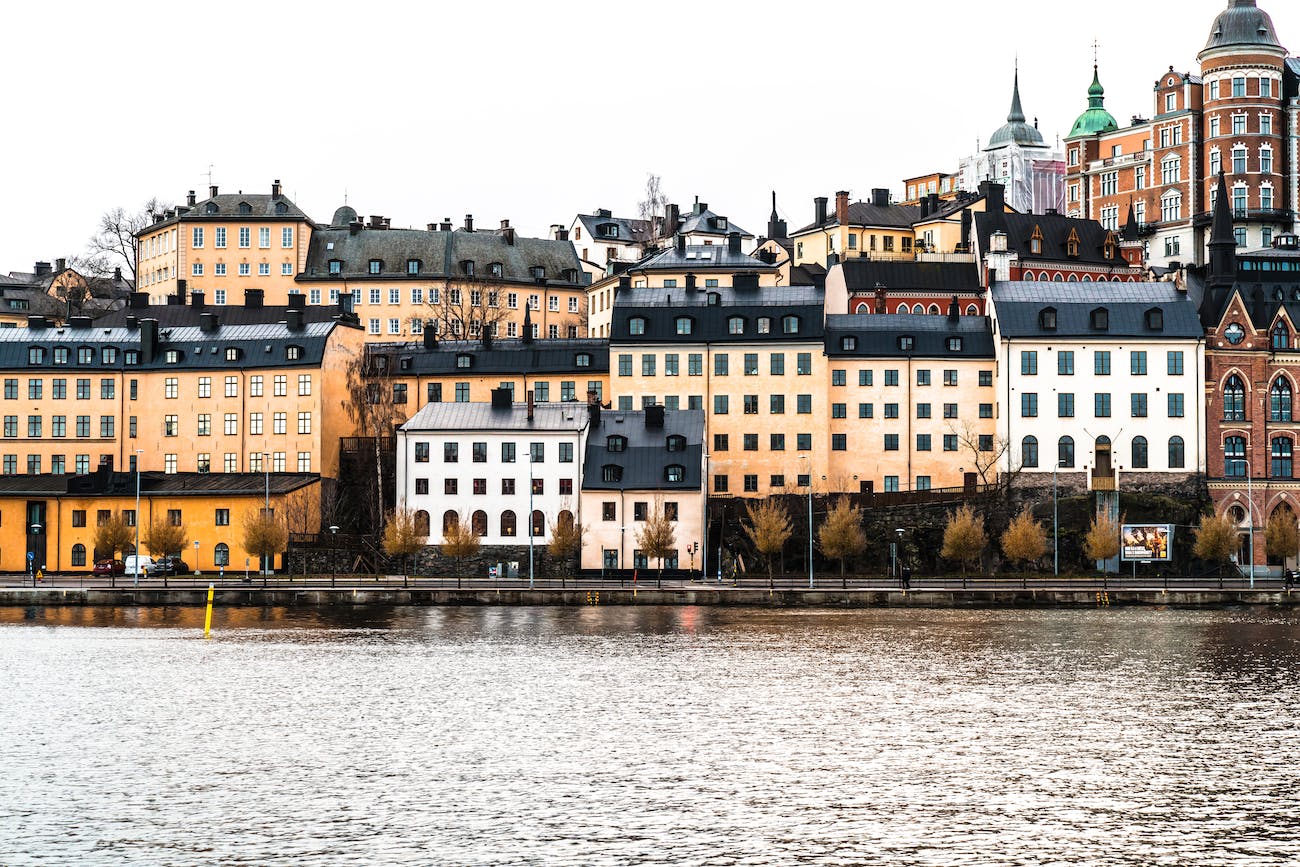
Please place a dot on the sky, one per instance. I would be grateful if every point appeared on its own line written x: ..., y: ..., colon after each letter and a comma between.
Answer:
x: 534, y: 111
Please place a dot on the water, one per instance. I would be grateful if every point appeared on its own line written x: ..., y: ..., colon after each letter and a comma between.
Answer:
x: 665, y: 736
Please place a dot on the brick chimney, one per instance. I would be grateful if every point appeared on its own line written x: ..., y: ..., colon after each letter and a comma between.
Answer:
x: 842, y: 207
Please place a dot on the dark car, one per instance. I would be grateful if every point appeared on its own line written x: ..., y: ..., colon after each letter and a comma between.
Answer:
x: 109, y: 567
x: 170, y: 566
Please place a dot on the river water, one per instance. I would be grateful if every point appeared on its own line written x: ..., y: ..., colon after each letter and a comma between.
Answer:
x: 649, y: 735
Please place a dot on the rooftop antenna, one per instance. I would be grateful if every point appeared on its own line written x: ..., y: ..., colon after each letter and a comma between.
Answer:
x: 1096, y: 46
x: 209, y: 174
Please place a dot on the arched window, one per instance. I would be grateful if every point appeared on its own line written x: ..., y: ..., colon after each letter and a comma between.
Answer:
x: 790, y: 324
x: 636, y: 325
x: 1234, y: 457
x: 863, y: 307
x: 1065, y: 451
x: 1140, y: 457
x: 685, y: 325
x: 479, y: 523
x: 1279, y: 400
x: 736, y: 325
x: 917, y: 308
x: 1029, y: 452
x: 1177, y: 453
x: 1236, y: 514
x: 1087, y: 278
x: 1280, y: 468
x: 1057, y: 278
x: 1234, y: 399
x: 972, y: 310
x: 934, y: 309
x: 1074, y: 278
x: 1281, y: 338
x: 903, y: 308
x: 539, y: 524
x: 507, y: 523
x: 78, y: 554
x: 1099, y: 319
x: 449, y: 520
x: 564, y: 519
x: 1047, y: 319
x: 422, y: 523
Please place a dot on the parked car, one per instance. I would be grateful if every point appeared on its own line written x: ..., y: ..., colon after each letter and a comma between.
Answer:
x: 138, y: 564
x: 109, y: 567
x: 171, y: 566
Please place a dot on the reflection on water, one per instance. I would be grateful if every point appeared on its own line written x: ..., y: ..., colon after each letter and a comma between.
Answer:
x: 659, y: 735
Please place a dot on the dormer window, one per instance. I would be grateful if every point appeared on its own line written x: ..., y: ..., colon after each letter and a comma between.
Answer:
x: 570, y: 275
x: 1109, y: 248
x: 608, y: 230
x: 736, y: 325
x: 715, y: 299
x: 906, y: 343
x: 232, y: 353
x: 245, y: 208
x: 611, y: 473
x: 281, y: 208
x: 1099, y: 319
x: 464, y: 361
x: 537, y: 272
x: 616, y: 443
x: 790, y: 324
x: 764, y: 325
x: 376, y: 266
x: 1281, y: 337
x: 954, y: 344
x: 173, y: 356
x: 636, y: 325
x: 685, y: 325
x: 467, y: 267
x: 335, y: 267
x: 1072, y: 245
x: 131, y: 357
x: 60, y: 355
x: 1155, y: 319
x: 412, y: 266
x: 582, y: 359
x: 848, y: 343
x: 1036, y: 241
x: 495, y: 269
x: 293, y: 353
x: 1047, y: 319
x: 109, y: 355
x: 85, y: 355
x: 677, y: 443
x: 211, y: 208
x: 675, y: 473
x: 722, y: 223
x: 35, y: 355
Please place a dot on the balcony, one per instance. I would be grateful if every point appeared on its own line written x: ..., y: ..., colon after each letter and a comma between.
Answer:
x: 1122, y: 160
x: 1248, y: 215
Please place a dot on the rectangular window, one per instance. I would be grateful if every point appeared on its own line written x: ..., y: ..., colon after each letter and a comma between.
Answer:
x: 776, y: 404
x: 950, y: 442
x: 1028, y: 363
x: 625, y: 365
x: 1101, y: 363
x: 950, y: 377
x: 891, y: 410
x: 245, y: 237
x: 923, y: 410
x: 1028, y: 405
x: 923, y: 378
x: 1175, y: 363
x: 1138, y: 363
x: 803, y: 404
x: 1065, y: 363
x: 891, y: 442
x: 1176, y: 407
x: 1139, y: 405
x: 986, y: 410
x: 281, y: 386
x: 750, y: 442
x: 1065, y: 406
x: 803, y: 363
x: 255, y: 424
x: 1101, y: 405
x: 720, y: 365
x: 839, y: 442
x: 866, y: 410
x: 923, y: 442
x: 695, y: 364
x: 891, y: 377
x: 648, y: 365
x: 264, y: 237
x: 720, y: 404
x: 776, y: 364
x: 751, y: 404
x: 304, y: 422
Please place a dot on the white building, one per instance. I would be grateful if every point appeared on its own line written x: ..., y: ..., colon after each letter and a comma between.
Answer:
x: 491, y: 464
x: 1100, y: 377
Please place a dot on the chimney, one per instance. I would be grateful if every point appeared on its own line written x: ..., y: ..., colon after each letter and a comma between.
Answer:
x: 148, y: 340
x: 189, y: 198
x: 593, y: 412
x: 297, y: 301
x: 117, y: 275
x: 690, y: 282
x: 181, y: 294
x: 562, y: 235
x: 672, y: 216
x: 60, y: 265
x: 994, y: 197
x: 446, y: 225
x: 132, y: 323
x: 624, y: 282
x: 275, y: 189
x: 252, y: 298
x: 345, y: 302
x: 842, y: 207
x: 744, y: 282
x: 212, y: 191
x: 469, y: 222
x: 431, y: 227
x: 880, y: 197
x: 138, y: 300
x: 819, y: 210
x: 954, y: 310
x: 208, y: 322
x: 531, y: 405
x: 733, y: 243
x: 881, y: 300
x: 197, y: 298
x: 503, y: 398
x: 42, y: 269
x: 488, y: 332
x: 37, y: 322
x: 509, y: 234
x: 79, y: 322
x: 925, y: 207
x: 505, y: 224
x: 654, y: 417
x: 680, y: 243
x: 293, y: 318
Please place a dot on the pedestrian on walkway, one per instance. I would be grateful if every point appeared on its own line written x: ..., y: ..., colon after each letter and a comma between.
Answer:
x: 907, y: 578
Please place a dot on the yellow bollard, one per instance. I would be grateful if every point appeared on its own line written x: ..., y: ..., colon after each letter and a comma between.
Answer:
x: 207, y: 618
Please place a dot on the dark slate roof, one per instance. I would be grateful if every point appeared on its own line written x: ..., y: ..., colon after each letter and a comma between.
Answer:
x: 187, y: 315
x: 503, y: 357
x: 1266, y: 280
x: 862, y: 275
x: 705, y: 222
x: 809, y: 274
x: 1056, y: 233
x: 260, y: 346
x: 710, y: 323
x: 878, y: 336
x: 261, y: 206
x: 474, y: 417
x: 645, y: 460
x: 1017, y: 305
x: 154, y: 484
x: 441, y: 255
x: 36, y: 302
x: 700, y: 257
x: 867, y: 214
x: 628, y: 230
x: 1242, y: 23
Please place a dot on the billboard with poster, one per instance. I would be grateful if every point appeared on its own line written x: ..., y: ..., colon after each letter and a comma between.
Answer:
x: 1146, y: 542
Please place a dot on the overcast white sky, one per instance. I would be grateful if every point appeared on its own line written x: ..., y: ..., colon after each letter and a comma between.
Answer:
x: 534, y: 111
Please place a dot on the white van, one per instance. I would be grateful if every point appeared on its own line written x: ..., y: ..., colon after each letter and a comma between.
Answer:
x: 145, y: 564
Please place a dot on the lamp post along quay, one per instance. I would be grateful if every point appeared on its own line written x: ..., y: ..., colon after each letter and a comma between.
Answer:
x: 1250, y: 516
x: 1056, y: 548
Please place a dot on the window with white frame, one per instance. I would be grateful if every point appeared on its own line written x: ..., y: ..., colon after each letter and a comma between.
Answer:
x: 196, y: 270
x: 286, y: 269
x: 1171, y: 206
x: 264, y: 237
x: 219, y: 237
x: 1171, y: 170
x: 1265, y: 160
x: 263, y: 269
x: 196, y: 238
x: 245, y: 237
x: 286, y: 237
x: 394, y: 326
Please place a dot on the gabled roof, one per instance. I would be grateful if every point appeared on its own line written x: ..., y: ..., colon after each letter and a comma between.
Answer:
x: 504, y: 357
x: 705, y: 222
x: 862, y: 275
x: 867, y: 214
x: 646, y: 458
x: 709, y: 322
x: 1056, y: 229
x: 627, y: 229
x: 225, y: 206
x: 879, y: 336
x: 1017, y: 308
x: 701, y: 257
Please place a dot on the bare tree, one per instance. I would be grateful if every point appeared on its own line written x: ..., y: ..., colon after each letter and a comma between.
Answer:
x: 840, y: 535
x: 373, y: 410
x: 566, y: 537
x: 964, y: 539
x: 651, y: 209
x: 768, y: 527
x: 459, y: 541
x: 164, y: 537
x: 656, y: 537
x: 400, y: 537
x: 113, y: 535
x: 113, y: 244
x: 466, y: 310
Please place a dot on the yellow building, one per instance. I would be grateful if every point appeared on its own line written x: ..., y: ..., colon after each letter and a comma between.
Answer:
x: 223, y: 245
x: 939, y: 184
x: 875, y: 229
x: 912, y: 402
x: 58, y: 292
x: 54, y: 517
x: 750, y: 358
x: 464, y: 281
x: 944, y: 228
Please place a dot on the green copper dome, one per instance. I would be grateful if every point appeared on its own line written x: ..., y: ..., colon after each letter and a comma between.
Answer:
x: 1096, y: 119
x: 1015, y: 130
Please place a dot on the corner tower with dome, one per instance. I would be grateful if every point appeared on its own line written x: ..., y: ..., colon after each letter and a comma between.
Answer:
x: 1018, y: 158
x: 1161, y: 171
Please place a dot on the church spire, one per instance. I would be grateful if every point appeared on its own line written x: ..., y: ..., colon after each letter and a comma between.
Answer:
x: 1223, y: 241
x: 1017, y: 114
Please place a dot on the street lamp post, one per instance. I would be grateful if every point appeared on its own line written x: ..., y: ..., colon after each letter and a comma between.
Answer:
x: 266, y: 509
x: 1056, y: 549
x: 531, y: 528
x: 135, y: 573
x: 1250, y: 516
x: 897, y: 545
x: 810, y: 522
x: 334, y: 535
x: 32, y: 565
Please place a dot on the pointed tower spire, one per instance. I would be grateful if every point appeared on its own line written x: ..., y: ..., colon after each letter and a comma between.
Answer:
x: 527, y: 336
x: 1223, y: 241
x: 776, y: 227
x: 1130, y: 223
x: 1017, y: 114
